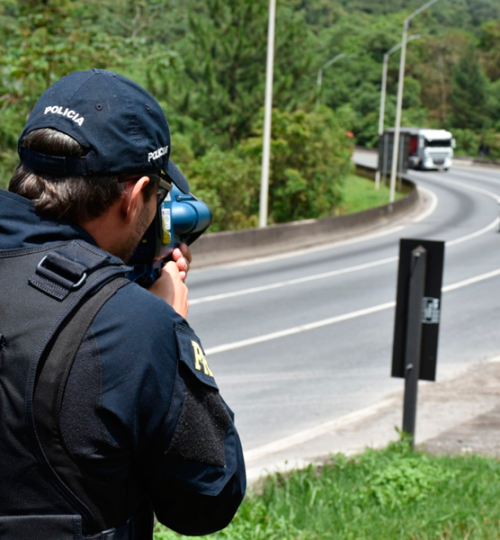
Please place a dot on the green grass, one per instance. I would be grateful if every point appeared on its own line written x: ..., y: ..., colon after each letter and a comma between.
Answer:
x: 360, y: 194
x: 387, y: 494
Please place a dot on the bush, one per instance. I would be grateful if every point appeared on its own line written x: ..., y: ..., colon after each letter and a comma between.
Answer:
x: 310, y: 157
x: 229, y: 184
x: 468, y: 142
x: 492, y: 142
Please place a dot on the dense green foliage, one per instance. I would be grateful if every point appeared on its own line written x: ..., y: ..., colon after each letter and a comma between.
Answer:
x: 204, y: 60
x: 392, y: 493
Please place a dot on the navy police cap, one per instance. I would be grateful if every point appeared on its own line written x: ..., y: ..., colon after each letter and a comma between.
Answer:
x: 120, y: 125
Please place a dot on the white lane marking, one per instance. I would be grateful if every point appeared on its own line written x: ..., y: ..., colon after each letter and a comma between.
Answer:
x: 291, y: 282
x: 299, y: 329
x: 432, y: 206
x: 317, y: 431
x: 312, y: 433
x: 327, y: 427
x: 305, y: 251
x: 339, y: 318
x: 489, y: 227
x: 268, y: 376
x: 473, y: 188
x: 213, y: 298
x: 280, y: 284
x: 471, y: 281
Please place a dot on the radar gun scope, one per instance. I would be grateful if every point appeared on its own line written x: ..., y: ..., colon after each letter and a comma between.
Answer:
x: 181, y: 218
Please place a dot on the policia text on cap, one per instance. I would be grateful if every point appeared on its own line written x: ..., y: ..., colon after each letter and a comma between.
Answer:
x: 110, y: 411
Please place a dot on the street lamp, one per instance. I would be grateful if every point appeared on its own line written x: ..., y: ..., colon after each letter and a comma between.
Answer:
x: 382, y: 97
x: 320, y: 72
x: 266, y: 147
x: 397, y: 126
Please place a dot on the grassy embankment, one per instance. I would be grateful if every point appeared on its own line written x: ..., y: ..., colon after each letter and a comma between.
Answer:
x: 380, y: 495
x: 360, y: 194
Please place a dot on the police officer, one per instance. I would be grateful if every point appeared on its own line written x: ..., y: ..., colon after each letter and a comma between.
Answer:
x: 110, y: 411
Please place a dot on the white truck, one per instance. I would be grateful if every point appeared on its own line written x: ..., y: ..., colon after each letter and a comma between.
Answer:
x: 429, y: 148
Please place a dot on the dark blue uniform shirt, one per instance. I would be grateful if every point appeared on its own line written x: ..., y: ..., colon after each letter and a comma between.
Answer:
x: 142, y: 415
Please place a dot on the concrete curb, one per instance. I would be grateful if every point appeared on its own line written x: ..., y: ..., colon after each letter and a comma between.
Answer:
x: 233, y: 246
x: 457, y: 415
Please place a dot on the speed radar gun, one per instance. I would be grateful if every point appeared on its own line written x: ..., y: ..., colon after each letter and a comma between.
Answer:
x: 181, y: 218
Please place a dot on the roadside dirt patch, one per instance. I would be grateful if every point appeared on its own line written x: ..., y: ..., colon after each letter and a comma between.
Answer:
x: 477, y: 390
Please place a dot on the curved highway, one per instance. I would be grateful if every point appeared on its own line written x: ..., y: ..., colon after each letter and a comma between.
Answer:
x: 306, y: 338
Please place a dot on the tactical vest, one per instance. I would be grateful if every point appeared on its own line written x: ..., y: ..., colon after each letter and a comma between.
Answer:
x: 48, y: 298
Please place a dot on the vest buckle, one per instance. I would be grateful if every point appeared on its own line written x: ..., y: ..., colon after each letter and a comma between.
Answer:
x: 45, y: 271
x: 58, y: 275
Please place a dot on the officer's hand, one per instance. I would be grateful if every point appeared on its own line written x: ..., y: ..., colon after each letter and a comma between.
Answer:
x: 182, y: 257
x: 171, y: 287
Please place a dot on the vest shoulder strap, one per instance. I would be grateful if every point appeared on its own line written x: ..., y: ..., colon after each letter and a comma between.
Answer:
x: 48, y: 401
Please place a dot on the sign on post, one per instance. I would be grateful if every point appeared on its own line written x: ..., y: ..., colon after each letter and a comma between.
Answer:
x: 386, y: 149
x: 431, y: 307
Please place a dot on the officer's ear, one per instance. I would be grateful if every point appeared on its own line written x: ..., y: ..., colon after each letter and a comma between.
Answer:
x: 133, y: 198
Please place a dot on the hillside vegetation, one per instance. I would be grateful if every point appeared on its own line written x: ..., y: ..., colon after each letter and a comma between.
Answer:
x: 204, y: 60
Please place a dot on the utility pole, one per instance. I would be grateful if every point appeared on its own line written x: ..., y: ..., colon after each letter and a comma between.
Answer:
x: 382, y: 98
x: 397, y: 126
x: 266, y: 150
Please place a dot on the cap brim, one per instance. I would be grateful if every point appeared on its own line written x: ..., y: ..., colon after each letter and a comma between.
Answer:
x: 176, y: 176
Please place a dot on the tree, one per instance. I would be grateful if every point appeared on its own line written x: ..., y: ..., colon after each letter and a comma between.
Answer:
x: 310, y: 156
x: 446, y: 51
x: 41, y: 43
x: 489, y: 44
x: 219, y: 79
x: 469, y: 97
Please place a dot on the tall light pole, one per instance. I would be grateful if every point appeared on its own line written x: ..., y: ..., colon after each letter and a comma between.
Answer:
x: 382, y: 98
x: 320, y: 72
x: 397, y: 126
x: 266, y: 150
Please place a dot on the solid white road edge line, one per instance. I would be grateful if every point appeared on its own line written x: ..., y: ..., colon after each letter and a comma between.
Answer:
x: 489, y: 227
x: 432, y: 205
x: 473, y: 188
x: 470, y: 281
x: 338, y: 318
x: 316, y: 431
x: 213, y: 298
x: 290, y: 282
x: 298, y: 329
x: 324, y: 428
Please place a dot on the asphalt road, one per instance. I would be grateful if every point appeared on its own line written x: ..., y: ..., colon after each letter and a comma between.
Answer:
x: 305, y: 338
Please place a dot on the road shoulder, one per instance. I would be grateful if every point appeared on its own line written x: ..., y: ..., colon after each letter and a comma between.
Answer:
x: 457, y: 415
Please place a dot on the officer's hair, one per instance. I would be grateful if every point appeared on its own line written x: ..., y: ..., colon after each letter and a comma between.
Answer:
x: 75, y: 198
